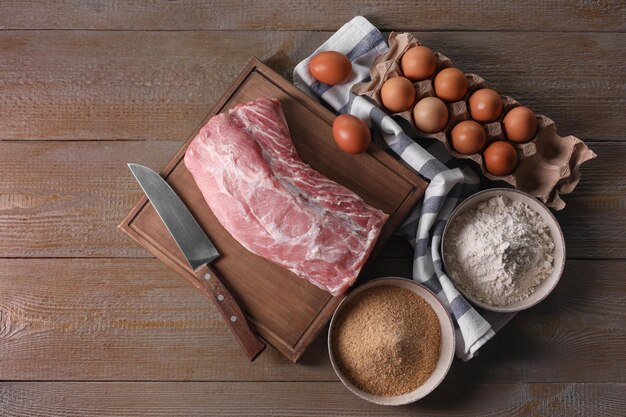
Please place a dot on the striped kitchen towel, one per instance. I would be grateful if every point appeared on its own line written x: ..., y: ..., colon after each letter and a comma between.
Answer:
x: 450, y: 179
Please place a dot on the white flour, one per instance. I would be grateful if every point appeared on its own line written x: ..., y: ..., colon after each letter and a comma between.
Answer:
x: 499, y: 252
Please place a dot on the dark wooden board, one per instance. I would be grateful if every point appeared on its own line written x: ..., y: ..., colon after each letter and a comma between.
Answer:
x: 285, y: 310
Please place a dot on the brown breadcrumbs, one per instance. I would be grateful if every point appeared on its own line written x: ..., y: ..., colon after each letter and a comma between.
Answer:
x: 387, y: 340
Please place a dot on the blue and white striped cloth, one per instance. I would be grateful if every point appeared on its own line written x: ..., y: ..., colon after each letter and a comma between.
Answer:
x: 450, y: 180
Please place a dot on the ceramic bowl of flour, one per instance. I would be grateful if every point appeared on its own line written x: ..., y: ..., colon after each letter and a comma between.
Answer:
x: 504, y: 280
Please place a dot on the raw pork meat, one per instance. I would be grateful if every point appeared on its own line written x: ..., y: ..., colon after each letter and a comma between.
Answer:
x: 274, y: 204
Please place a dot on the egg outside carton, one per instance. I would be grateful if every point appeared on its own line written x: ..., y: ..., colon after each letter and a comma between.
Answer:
x: 548, y: 165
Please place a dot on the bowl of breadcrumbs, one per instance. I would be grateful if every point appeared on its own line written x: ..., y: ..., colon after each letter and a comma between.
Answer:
x: 391, y: 341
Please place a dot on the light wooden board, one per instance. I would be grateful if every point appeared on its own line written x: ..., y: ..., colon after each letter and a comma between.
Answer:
x: 134, y: 319
x: 606, y: 15
x: 68, y: 197
x: 160, y: 85
x: 29, y: 399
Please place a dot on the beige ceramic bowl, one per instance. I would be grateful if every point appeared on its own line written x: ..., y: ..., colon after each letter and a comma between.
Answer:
x: 549, y: 283
x: 447, y: 343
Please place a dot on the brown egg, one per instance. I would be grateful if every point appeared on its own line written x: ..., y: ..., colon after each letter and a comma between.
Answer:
x: 397, y: 94
x: 430, y: 115
x: 485, y: 105
x: 351, y: 134
x: 450, y: 84
x: 330, y: 67
x: 418, y: 63
x: 519, y: 124
x: 500, y: 158
x: 468, y: 137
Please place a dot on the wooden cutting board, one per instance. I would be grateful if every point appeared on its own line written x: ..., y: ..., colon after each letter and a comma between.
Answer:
x: 285, y: 310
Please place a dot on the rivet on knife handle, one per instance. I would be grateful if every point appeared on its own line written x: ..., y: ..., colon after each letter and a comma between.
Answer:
x: 232, y: 314
x: 199, y: 252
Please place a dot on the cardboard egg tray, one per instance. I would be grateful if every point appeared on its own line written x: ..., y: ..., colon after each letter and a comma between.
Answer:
x: 548, y: 165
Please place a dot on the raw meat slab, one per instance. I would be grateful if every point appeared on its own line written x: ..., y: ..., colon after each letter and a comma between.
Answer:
x: 286, y: 311
x: 277, y: 206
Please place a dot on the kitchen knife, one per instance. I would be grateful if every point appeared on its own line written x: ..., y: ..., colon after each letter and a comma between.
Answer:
x: 199, y: 252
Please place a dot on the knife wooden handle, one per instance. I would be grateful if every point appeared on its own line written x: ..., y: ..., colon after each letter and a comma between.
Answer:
x: 232, y: 314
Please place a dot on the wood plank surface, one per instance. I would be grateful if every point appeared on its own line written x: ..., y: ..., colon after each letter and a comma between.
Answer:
x: 91, y: 325
x: 509, y: 15
x: 29, y: 399
x: 67, y: 199
x: 133, y: 319
x: 160, y: 85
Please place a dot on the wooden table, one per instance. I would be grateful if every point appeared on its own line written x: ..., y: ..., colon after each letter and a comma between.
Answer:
x: 90, y: 324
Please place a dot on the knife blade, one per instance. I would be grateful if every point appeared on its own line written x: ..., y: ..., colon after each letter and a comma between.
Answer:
x: 190, y: 238
x: 199, y: 252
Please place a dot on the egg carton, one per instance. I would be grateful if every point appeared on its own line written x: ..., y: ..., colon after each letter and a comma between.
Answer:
x: 548, y: 165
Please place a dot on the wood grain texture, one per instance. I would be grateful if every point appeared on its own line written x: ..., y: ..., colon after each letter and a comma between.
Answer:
x: 116, y: 319
x: 232, y: 315
x: 133, y: 319
x: 264, y: 289
x: 510, y: 15
x: 576, y: 334
x: 594, y: 219
x: 77, y: 105
x: 67, y: 199
x: 160, y: 85
x: 29, y: 399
